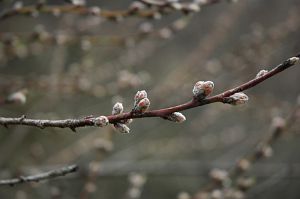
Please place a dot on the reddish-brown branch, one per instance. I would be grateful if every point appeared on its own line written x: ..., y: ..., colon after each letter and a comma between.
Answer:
x: 163, y: 113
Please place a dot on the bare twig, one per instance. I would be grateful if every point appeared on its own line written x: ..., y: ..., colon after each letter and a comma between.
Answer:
x: 42, y: 176
x: 162, y: 113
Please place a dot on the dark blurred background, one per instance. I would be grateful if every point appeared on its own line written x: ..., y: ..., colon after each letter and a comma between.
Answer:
x: 105, y: 62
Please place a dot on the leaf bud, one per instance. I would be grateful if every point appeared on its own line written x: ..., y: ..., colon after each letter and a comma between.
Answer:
x: 237, y: 99
x: 122, y: 128
x: 202, y: 89
x: 117, y: 108
x: 101, y: 121
x: 176, y: 117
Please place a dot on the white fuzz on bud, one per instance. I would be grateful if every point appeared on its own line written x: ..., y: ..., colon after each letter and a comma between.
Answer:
x: 142, y: 106
x: 117, y: 108
x: 261, y: 73
x: 122, y: 128
x: 101, y: 121
x: 128, y: 121
x: 176, y: 117
x: 17, y: 97
x: 237, y: 99
x: 194, y: 7
x: 243, y: 164
x: 293, y: 60
x: 218, y: 175
x: 245, y: 183
x: 202, y: 89
x: 139, y: 96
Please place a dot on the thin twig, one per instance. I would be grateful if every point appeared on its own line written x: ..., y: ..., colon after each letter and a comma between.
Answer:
x: 42, y: 176
x: 163, y: 113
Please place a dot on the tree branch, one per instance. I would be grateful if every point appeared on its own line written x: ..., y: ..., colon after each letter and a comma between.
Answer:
x: 42, y: 176
x: 137, y: 10
x: 163, y: 113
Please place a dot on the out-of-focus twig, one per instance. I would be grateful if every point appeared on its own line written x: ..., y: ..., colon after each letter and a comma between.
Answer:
x: 42, y: 176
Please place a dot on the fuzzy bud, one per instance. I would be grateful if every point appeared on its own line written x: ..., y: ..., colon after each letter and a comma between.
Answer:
x: 117, y: 108
x: 219, y: 175
x: 101, y: 121
x: 245, y: 183
x: 261, y: 73
x: 142, y: 105
x: 122, y: 128
x: 293, y: 60
x: 202, y: 89
x: 17, y: 97
x: 176, y: 117
x: 139, y: 96
x: 243, y: 164
x: 237, y: 99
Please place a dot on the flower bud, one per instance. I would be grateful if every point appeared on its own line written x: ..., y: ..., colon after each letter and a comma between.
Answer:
x: 117, y: 108
x: 219, y: 175
x: 142, y: 105
x: 245, y: 183
x: 122, y: 128
x: 139, y: 96
x: 17, y: 97
x: 261, y: 73
x: 243, y: 164
x: 176, y: 117
x: 293, y: 60
x: 101, y: 121
x: 202, y: 89
x: 237, y: 99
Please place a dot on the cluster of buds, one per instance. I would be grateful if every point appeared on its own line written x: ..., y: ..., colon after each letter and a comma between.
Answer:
x: 202, y: 89
x: 121, y: 126
x: 176, y: 117
x: 101, y: 121
x: 137, y: 182
x: 236, y: 99
x: 141, y: 102
x: 261, y: 73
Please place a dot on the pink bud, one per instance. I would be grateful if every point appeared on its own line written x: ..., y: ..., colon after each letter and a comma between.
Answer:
x: 139, y: 96
x: 101, y: 121
x: 202, y: 89
x: 176, y: 117
x: 142, y: 105
x: 117, y: 108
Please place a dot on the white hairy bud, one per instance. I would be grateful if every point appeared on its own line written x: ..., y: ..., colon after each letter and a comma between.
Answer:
x: 101, y: 121
x: 17, y: 97
x: 202, y: 89
x: 237, y: 99
x: 261, y: 73
x: 122, y: 128
x: 117, y: 108
x: 176, y: 117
